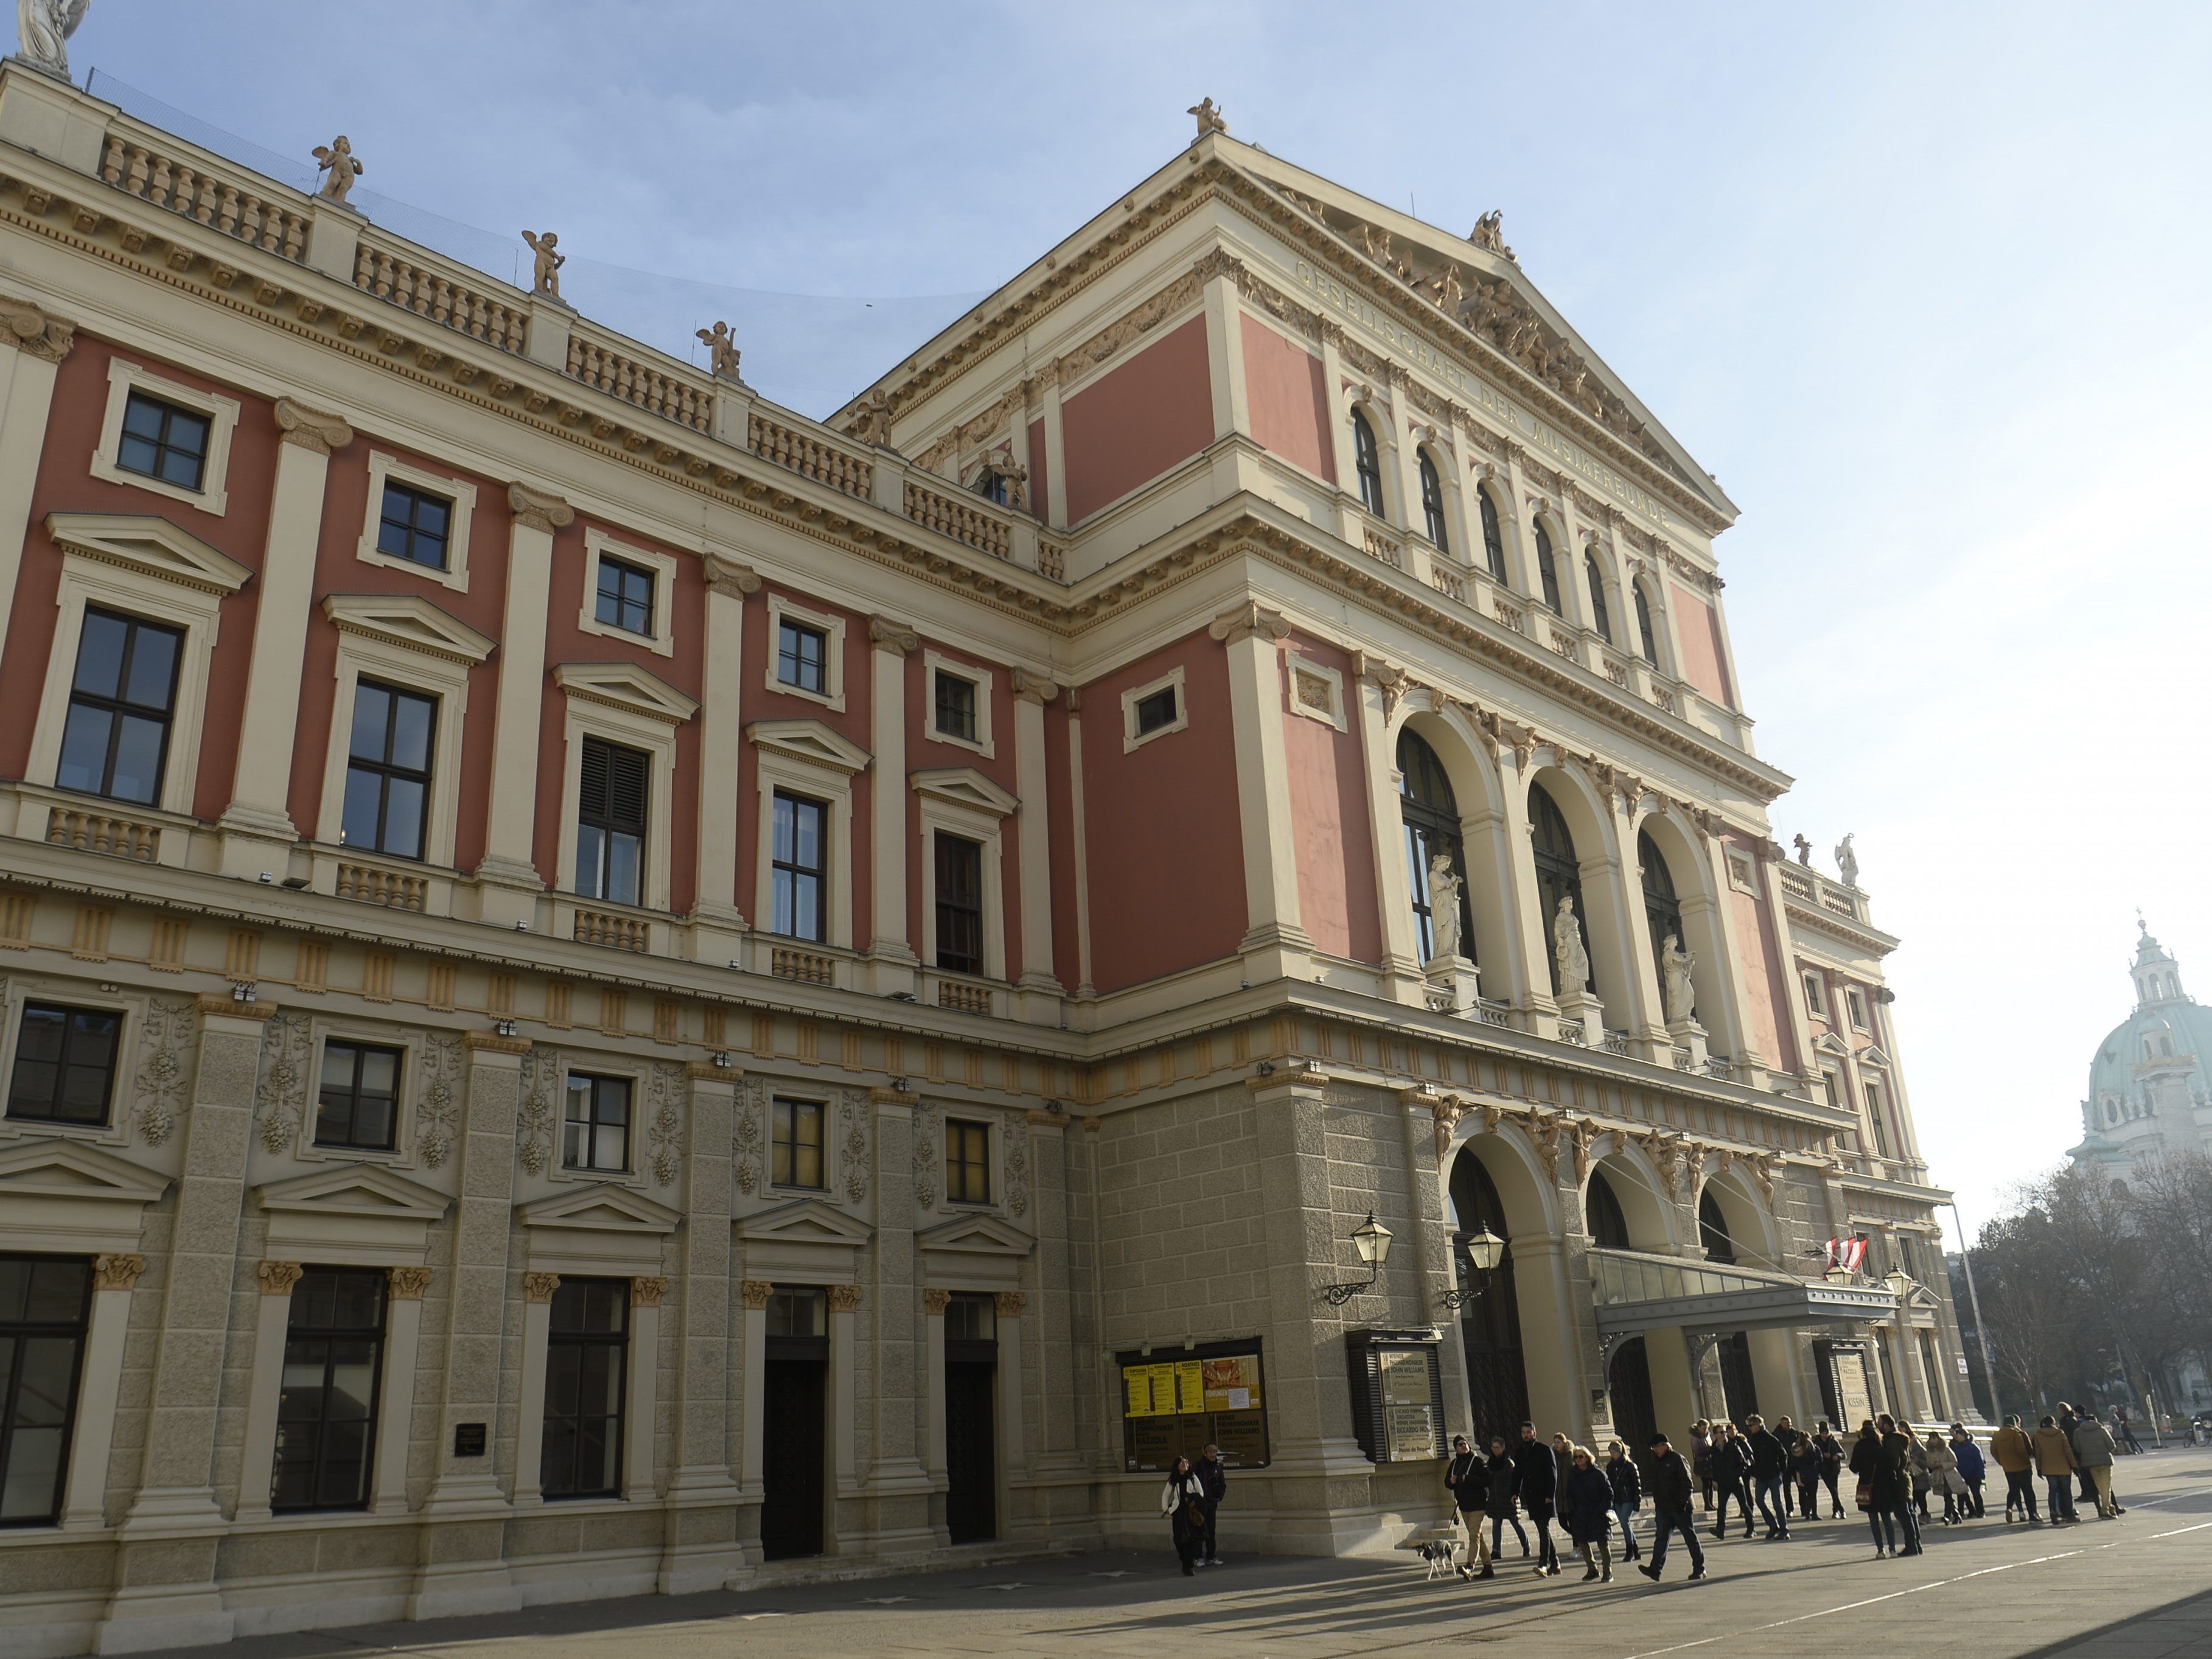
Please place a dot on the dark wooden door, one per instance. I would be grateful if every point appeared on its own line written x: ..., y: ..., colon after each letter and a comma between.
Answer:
x: 1629, y: 1383
x: 972, y: 1459
x: 1737, y: 1385
x: 792, y: 1466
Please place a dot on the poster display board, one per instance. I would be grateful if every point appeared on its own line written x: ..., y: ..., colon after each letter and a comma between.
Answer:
x: 1176, y: 1402
x: 1397, y: 1394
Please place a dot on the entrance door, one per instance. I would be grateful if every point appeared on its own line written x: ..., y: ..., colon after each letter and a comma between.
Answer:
x: 1736, y: 1386
x: 793, y: 1459
x: 1490, y: 1323
x: 1628, y: 1381
x: 971, y: 1463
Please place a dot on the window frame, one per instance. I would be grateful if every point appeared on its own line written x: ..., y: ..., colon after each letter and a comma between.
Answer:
x: 780, y: 608
x: 1544, y: 553
x: 118, y: 707
x: 330, y: 1336
x: 619, y: 1341
x: 19, y: 1015
x: 1132, y: 738
x: 15, y: 1332
x: 961, y: 803
x: 1367, y: 466
x: 386, y: 770
x: 1871, y: 1091
x: 1601, y: 609
x: 779, y: 1142
x: 956, y: 909
x: 661, y: 569
x: 628, y: 706
x: 641, y: 829
x: 981, y: 1133
x: 806, y: 757
x: 221, y: 413
x: 1435, y: 518
x: 933, y: 664
x: 780, y: 867
x: 362, y: 1047
x: 460, y: 498
x: 1856, y: 1009
x: 1647, y: 625
x: 1493, y: 534
x: 595, y: 1123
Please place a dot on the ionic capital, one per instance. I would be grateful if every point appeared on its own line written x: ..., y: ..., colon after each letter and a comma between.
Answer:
x: 312, y: 429
x: 539, y: 511
x: 1247, y: 620
x: 1030, y: 686
x: 730, y: 578
x: 894, y: 636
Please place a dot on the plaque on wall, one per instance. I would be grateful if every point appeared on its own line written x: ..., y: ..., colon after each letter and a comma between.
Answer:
x: 1178, y: 1401
x: 469, y: 1439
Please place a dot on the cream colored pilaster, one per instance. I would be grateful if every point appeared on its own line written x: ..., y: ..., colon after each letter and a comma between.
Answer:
x: 843, y: 1405
x: 509, y: 875
x: 1056, y: 1446
x: 1054, y: 505
x: 1378, y: 687
x: 1404, y: 463
x: 273, y: 1316
x: 891, y: 1268
x: 1031, y: 692
x: 26, y: 400
x: 84, y: 1501
x: 257, y: 816
x: 403, y: 1344
x: 892, y: 960
x: 1274, y: 942
x: 939, y: 1465
x: 701, y: 1436
x: 530, y: 1393
x: 1079, y: 830
x: 1013, y: 1388
x: 718, y: 920
x: 1225, y: 345
x: 1339, y: 409
x: 641, y: 1408
x: 1645, y: 1017
x: 1535, y: 1007
x: 753, y: 1419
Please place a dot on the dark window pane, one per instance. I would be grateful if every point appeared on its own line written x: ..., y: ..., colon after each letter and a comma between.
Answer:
x: 153, y: 667
x: 116, y: 736
x: 84, y: 749
x: 65, y: 1064
x: 162, y: 441
x: 99, y: 653
x: 138, y: 764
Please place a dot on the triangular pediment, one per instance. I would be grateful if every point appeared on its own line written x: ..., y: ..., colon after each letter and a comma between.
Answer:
x: 976, y: 1235
x: 1871, y: 1056
x: 809, y: 742
x: 1829, y: 1044
x: 804, y: 1221
x: 626, y: 686
x: 403, y: 619
x: 354, y: 1189
x: 70, y: 1169
x: 964, y: 785
x: 150, y: 544
x: 605, y: 1207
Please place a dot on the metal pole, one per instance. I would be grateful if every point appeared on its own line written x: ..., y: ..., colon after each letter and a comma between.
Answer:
x: 1981, y: 1330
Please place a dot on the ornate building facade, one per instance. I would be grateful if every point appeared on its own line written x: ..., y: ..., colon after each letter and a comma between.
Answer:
x: 607, y: 988
x: 2150, y: 1085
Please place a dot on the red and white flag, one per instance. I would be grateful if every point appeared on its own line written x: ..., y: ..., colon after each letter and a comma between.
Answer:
x: 1849, y: 1253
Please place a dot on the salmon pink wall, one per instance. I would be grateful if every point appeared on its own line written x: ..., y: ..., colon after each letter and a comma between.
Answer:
x: 66, y: 485
x: 340, y: 569
x: 1766, y: 976
x: 1162, y: 833
x: 1288, y: 400
x: 925, y: 752
x: 1329, y: 821
x: 1136, y: 422
x: 1697, y: 625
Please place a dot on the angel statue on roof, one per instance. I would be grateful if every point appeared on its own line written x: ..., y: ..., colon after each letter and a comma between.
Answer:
x: 45, y: 26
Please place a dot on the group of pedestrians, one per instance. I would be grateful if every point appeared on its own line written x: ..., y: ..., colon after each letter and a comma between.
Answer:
x: 1191, y: 1502
x: 2065, y: 1448
x: 1588, y: 1495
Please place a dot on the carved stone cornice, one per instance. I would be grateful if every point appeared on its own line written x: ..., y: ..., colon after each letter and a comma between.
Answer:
x: 1249, y: 618
x: 1030, y: 686
x: 885, y: 634
x: 277, y: 1278
x: 729, y: 579
x: 408, y: 1284
x: 538, y: 510
x: 31, y: 330
x: 312, y: 429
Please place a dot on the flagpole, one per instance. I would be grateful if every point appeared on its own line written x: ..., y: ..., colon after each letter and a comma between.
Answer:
x: 1981, y: 1330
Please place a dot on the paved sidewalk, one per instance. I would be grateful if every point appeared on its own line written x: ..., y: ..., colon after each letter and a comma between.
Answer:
x: 2137, y: 1588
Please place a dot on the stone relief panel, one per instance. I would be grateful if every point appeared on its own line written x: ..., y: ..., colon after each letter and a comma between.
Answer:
x: 928, y: 1135
x: 280, y: 1090
x: 535, y: 1119
x: 159, y: 1088
x: 664, y: 1123
x: 748, y: 1135
x: 852, y: 1116
x: 438, y: 1098
x: 1017, y: 1165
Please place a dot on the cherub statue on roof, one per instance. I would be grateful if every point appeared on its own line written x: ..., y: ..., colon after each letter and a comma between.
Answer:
x: 45, y: 26
x: 721, y: 348
x: 1209, y: 117
x: 545, y: 274
x: 336, y: 160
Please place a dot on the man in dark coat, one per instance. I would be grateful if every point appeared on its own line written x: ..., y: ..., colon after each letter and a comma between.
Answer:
x: 1213, y: 1479
x: 1536, y: 1476
x: 1667, y: 1483
x: 1467, y: 1477
x: 1770, y: 1463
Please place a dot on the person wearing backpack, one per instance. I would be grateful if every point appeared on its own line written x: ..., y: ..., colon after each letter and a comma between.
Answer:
x: 1466, y: 1478
x: 1183, y: 1506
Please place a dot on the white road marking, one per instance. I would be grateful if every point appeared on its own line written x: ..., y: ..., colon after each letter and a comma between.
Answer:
x: 2178, y: 1531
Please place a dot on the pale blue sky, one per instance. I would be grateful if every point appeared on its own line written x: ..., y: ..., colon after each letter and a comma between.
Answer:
x: 1922, y: 284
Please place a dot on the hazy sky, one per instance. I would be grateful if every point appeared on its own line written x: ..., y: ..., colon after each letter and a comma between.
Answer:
x: 1923, y: 285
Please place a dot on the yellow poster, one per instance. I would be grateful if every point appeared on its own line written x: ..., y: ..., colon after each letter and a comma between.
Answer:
x: 1190, y: 1387
x: 1152, y: 1390
x: 1232, y: 1384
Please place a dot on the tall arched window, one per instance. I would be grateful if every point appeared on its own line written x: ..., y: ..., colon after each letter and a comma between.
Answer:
x: 1431, y: 818
x: 1644, y: 637
x: 1493, y: 537
x: 1662, y: 911
x: 1598, y: 612
x: 1547, y: 571
x: 1609, y: 1227
x: 1367, y: 460
x: 1712, y: 1229
x: 1559, y: 873
x: 1432, y: 504
x: 1490, y: 1324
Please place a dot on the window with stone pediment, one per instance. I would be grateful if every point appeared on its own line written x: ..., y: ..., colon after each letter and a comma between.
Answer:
x: 121, y: 707
x: 1367, y: 462
x: 45, y: 1302
x: 326, y: 1411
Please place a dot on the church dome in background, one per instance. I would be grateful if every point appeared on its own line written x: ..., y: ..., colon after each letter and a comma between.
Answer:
x: 2150, y: 1081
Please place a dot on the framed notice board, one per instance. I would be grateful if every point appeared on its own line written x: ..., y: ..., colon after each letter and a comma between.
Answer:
x: 1175, y: 1401
x: 1397, y: 1394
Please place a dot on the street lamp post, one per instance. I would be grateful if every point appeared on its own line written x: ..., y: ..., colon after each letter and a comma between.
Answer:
x: 1484, y: 1252
x: 1373, y: 1240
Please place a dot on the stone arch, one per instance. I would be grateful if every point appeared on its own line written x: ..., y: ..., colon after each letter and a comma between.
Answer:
x: 1433, y: 467
x: 1636, y: 1184
x: 1547, y: 533
x: 1493, y: 512
x: 1750, y: 1227
x: 1479, y: 796
x: 1366, y: 410
x: 1705, y: 933
x: 1544, y: 1310
x: 1597, y: 853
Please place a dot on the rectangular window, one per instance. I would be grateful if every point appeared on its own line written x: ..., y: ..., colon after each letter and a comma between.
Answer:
x: 65, y: 1064
x: 387, y: 789
x: 585, y: 1348
x: 797, y: 1313
x: 326, y: 1412
x: 413, y: 525
x: 797, y: 1142
x: 43, y: 1303
x: 625, y: 598
x: 966, y: 1162
x: 959, y: 903
x: 1815, y: 1004
x: 796, y: 866
x: 162, y: 441
x: 612, y: 787
x: 955, y: 706
x: 1856, y: 1002
x: 1828, y: 1089
x: 598, y: 1123
x: 116, y: 741
x: 802, y: 657
x: 359, y: 1106
x: 1156, y: 711
x: 1873, y: 1119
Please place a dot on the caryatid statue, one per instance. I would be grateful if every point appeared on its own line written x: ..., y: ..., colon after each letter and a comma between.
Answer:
x: 44, y: 27
x: 1681, y: 996
x: 1568, y: 955
x: 1443, y: 905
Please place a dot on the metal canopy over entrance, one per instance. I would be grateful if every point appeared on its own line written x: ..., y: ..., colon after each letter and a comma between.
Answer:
x: 1636, y: 1292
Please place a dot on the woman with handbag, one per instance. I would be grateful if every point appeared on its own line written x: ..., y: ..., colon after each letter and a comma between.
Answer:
x: 1866, y: 1465
x: 1182, y: 1504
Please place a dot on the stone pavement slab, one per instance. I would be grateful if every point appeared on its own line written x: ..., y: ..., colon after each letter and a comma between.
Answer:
x: 2137, y: 1588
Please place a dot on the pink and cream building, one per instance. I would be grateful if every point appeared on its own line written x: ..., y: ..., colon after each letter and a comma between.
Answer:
x: 608, y: 988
